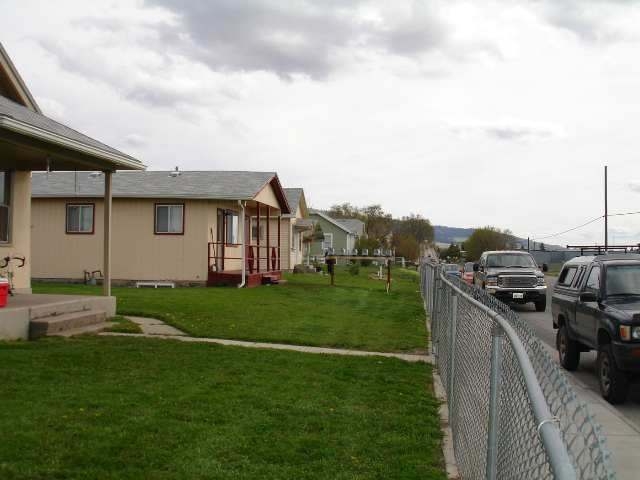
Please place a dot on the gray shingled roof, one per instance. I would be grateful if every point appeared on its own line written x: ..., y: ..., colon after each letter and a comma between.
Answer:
x: 11, y: 109
x: 293, y: 199
x: 352, y: 224
x: 153, y: 184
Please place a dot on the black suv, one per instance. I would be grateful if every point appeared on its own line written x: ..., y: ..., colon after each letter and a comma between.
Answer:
x: 511, y: 276
x: 596, y: 306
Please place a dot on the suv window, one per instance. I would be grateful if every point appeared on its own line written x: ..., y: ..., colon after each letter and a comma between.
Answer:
x: 510, y: 260
x: 579, y: 277
x: 567, y: 275
x: 593, y: 282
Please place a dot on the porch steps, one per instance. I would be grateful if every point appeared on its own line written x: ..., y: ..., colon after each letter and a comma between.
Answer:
x: 58, y: 323
x: 86, y: 330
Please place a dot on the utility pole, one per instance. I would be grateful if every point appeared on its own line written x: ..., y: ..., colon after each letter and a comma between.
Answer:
x: 606, y: 213
x: 528, y: 244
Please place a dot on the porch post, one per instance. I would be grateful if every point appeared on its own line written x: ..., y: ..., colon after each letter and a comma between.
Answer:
x: 106, y: 266
x: 268, y: 246
x: 279, y: 244
x: 258, y: 237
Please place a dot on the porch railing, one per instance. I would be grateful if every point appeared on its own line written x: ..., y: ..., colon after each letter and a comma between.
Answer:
x: 258, y: 258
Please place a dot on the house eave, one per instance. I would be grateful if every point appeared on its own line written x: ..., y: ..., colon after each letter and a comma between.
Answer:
x: 118, y: 161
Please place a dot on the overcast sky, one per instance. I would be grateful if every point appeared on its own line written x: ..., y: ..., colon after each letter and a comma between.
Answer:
x: 467, y: 112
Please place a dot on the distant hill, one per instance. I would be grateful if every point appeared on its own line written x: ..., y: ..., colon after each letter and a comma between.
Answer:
x: 443, y: 234
x: 447, y: 235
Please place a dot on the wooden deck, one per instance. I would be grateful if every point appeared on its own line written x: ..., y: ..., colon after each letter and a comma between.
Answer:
x: 232, y: 278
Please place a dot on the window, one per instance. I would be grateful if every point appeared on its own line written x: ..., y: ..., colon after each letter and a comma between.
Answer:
x: 328, y: 241
x: 254, y: 230
x: 227, y: 226
x: 5, y: 205
x: 80, y: 218
x: 593, y: 282
x: 169, y: 219
x: 567, y: 276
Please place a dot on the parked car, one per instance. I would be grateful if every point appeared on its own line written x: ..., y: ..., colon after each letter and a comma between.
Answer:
x: 452, y: 269
x: 596, y: 306
x: 467, y: 273
x: 512, y: 276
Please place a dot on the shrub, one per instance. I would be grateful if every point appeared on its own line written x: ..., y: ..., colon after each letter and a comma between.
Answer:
x: 354, y: 269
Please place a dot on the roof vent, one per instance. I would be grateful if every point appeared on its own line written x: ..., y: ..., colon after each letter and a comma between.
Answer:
x: 175, y: 173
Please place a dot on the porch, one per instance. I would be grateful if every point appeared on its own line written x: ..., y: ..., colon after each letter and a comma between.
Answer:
x: 27, y: 316
x: 247, y: 251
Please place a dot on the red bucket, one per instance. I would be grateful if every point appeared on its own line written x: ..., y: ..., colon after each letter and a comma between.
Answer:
x: 4, y: 292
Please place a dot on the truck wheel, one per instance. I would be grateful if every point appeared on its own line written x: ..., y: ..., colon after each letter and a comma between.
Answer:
x: 568, y: 350
x: 614, y: 384
x: 541, y: 305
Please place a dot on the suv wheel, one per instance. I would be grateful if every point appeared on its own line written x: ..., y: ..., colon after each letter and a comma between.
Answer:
x: 541, y: 305
x: 568, y: 350
x: 614, y: 384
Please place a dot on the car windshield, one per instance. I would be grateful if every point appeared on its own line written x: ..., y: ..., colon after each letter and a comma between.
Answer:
x: 623, y: 280
x: 523, y: 260
x: 451, y: 267
x: 468, y: 267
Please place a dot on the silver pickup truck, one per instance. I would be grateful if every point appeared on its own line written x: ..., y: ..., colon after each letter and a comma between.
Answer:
x: 512, y: 276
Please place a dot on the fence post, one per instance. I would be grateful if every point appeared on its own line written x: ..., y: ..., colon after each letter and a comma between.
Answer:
x: 434, y: 310
x: 452, y: 348
x: 497, y: 336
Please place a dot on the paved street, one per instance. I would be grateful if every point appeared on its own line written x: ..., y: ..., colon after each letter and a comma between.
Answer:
x: 621, y: 423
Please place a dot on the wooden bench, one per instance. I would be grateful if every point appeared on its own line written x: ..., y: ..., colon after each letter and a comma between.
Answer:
x: 155, y: 285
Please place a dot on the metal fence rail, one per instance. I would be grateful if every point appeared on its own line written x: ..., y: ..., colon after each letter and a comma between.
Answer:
x: 512, y: 412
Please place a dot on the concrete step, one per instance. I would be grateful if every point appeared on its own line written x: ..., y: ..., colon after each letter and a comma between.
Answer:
x: 68, y: 321
x: 61, y: 305
x: 86, y: 330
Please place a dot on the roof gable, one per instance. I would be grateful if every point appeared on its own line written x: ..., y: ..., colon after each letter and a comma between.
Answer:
x: 296, y: 200
x: 330, y: 220
x: 11, y: 84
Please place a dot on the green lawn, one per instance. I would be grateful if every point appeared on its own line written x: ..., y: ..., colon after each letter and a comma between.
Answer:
x: 131, y: 408
x: 356, y: 313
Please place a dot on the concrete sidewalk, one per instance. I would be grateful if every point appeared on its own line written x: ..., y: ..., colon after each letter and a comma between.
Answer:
x: 623, y: 436
x: 153, y: 328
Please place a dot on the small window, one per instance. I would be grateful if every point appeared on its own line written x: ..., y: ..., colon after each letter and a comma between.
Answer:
x: 232, y: 227
x: 5, y: 205
x: 593, y: 282
x: 254, y: 230
x: 328, y: 241
x: 227, y: 226
x: 80, y: 218
x: 169, y: 219
x: 567, y: 275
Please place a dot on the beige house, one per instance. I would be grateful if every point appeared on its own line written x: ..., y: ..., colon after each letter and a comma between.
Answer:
x: 31, y: 141
x: 295, y: 225
x: 184, y: 227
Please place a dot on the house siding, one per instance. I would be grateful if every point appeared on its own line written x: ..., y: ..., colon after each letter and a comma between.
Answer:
x: 138, y: 253
x: 339, y: 236
x: 20, y: 230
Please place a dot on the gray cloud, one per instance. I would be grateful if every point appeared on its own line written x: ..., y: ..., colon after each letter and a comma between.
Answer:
x: 300, y: 37
x: 591, y: 20
x: 634, y: 186
x: 508, y: 131
x: 147, y: 57
x: 135, y: 140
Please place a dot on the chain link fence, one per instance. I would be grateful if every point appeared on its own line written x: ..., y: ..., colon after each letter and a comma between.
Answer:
x: 512, y: 412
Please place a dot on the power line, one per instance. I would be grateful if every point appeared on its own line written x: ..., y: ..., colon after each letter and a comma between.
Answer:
x: 571, y: 229
x: 622, y: 214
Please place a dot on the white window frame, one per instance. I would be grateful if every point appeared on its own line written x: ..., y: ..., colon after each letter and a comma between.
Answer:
x: 169, y: 207
x: 324, y: 241
x: 81, y: 207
